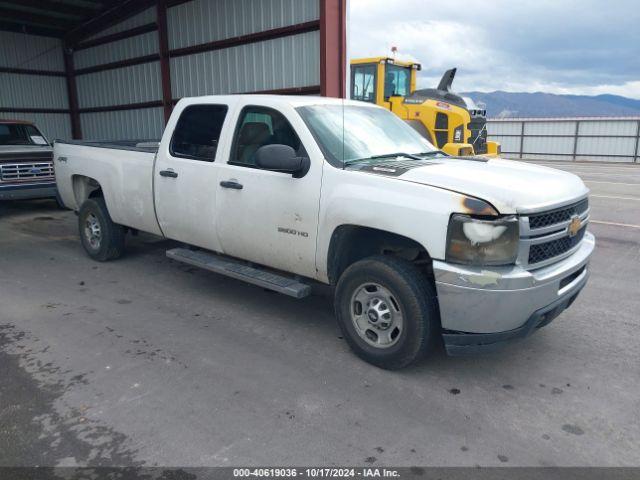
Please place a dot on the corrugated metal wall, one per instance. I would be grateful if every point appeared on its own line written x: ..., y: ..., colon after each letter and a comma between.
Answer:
x: 32, y: 91
x: 146, y: 16
x: 139, y: 124
x: 288, y: 62
x: 273, y: 64
x: 22, y: 91
x: 109, y: 88
x: 120, y: 86
x: 291, y: 61
x: 30, y: 51
x: 596, y: 139
x: 201, y: 21
x: 125, y: 49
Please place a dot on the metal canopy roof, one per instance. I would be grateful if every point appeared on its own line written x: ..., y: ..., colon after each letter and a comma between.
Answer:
x: 68, y: 19
x: 53, y: 18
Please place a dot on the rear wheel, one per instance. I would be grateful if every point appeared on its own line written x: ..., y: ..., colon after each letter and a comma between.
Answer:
x: 101, y: 238
x: 387, y: 311
x: 59, y: 201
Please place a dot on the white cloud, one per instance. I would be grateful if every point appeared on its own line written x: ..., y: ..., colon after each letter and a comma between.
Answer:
x: 574, y: 46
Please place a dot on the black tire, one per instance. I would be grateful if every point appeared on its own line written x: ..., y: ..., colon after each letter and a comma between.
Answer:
x: 111, y: 239
x: 59, y: 201
x: 412, y: 294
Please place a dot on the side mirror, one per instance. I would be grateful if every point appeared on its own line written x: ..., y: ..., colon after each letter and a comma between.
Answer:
x: 281, y: 158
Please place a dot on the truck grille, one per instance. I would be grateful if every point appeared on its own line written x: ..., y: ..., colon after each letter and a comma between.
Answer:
x: 546, y: 236
x: 19, y: 172
x: 544, y: 251
x: 558, y: 216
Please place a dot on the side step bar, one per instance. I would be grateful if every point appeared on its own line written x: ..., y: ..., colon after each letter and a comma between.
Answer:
x: 240, y: 271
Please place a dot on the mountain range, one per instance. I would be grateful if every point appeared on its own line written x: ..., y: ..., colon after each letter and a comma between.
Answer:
x: 539, y: 104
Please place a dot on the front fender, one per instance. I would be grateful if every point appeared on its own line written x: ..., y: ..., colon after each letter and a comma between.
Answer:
x: 415, y: 211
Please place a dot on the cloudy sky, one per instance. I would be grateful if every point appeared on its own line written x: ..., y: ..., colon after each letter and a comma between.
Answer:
x: 564, y: 46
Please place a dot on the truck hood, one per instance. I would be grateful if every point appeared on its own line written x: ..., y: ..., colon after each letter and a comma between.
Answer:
x: 510, y: 186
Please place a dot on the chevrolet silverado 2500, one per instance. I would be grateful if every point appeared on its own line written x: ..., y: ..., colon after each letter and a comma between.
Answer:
x: 281, y: 191
x: 26, y: 166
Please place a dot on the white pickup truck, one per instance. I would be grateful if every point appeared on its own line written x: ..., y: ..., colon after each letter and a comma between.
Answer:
x: 283, y: 191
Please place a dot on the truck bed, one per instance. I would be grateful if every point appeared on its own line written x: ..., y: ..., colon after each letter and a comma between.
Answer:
x: 149, y: 146
x: 122, y: 168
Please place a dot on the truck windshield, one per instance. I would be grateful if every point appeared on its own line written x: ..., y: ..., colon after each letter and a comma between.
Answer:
x: 20, y: 134
x: 350, y: 133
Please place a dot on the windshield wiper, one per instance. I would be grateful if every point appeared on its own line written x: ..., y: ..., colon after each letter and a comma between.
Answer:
x: 431, y: 152
x: 413, y: 156
x: 397, y: 154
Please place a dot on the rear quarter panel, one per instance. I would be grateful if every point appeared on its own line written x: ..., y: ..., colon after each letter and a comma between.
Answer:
x: 125, y: 177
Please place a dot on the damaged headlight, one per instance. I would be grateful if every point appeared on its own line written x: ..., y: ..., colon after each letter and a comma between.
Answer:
x: 475, y: 241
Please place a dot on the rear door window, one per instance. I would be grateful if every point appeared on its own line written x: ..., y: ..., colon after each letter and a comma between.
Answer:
x: 197, y: 132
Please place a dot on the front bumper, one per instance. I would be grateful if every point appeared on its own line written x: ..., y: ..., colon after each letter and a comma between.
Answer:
x: 482, y: 308
x: 26, y: 191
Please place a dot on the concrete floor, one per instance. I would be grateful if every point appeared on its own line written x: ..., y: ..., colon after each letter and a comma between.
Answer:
x: 144, y: 361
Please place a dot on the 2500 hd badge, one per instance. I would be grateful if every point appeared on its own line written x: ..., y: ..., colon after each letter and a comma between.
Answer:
x: 292, y: 231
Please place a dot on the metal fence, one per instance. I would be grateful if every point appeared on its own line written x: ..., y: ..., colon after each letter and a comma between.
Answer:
x: 615, y: 139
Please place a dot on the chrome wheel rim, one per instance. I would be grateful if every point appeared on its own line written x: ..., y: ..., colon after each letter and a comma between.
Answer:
x: 376, y: 315
x: 93, y: 231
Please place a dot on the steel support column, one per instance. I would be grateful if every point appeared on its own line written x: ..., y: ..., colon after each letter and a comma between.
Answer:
x: 72, y: 93
x: 333, y: 48
x: 165, y: 69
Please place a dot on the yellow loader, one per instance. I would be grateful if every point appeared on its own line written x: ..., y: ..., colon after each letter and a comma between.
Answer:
x: 450, y: 122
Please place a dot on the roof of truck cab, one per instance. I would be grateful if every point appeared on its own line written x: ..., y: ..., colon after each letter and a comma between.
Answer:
x: 302, y: 100
x: 21, y: 122
x: 293, y: 100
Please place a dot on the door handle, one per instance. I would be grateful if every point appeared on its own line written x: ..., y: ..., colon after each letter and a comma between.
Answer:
x: 231, y: 184
x: 168, y: 173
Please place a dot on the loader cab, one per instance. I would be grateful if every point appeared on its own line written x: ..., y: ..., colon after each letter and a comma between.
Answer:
x: 397, y: 81
x: 379, y: 79
x: 438, y: 114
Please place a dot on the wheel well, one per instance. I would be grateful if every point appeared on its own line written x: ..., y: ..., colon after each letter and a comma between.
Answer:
x: 350, y: 243
x: 85, y: 187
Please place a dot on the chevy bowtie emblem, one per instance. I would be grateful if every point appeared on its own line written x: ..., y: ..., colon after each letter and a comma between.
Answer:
x: 574, y: 226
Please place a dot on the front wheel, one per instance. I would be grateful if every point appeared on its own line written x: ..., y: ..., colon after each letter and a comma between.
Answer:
x: 386, y: 309
x: 101, y: 238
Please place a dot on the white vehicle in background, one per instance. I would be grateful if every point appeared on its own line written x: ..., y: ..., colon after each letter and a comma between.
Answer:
x: 283, y: 191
